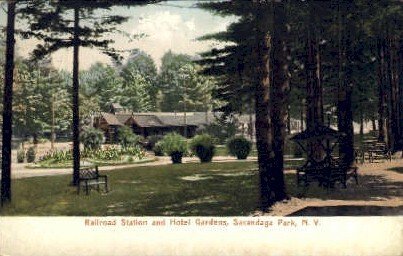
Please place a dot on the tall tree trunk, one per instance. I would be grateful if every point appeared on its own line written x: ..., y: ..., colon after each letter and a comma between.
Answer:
x: 52, y: 133
x: 301, y: 117
x: 394, y: 92
x: 314, y: 116
x: 344, y: 110
x: 373, y: 124
x: 399, y: 79
x: 381, y: 95
x: 288, y: 119
x: 279, y: 92
x: 7, y: 105
x: 389, y: 100
x: 262, y: 98
x: 76, y: 113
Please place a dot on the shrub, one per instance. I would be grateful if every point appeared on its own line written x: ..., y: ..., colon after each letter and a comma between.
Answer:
x: 136, y: 152
x: 110, y: 153
x: 20, y: 155
x: 59, y: 156
x: 158, y: 151
x: 152, y: 141
x: 202, y: 145
x: 31, y: 154
x: 174, y: 145
x: 92, y: 138
x: 239, y: 147
x: 127, y: 138
x: 222, y: 129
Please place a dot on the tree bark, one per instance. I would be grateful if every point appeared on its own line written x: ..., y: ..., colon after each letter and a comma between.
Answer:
x: 76, y: 113
x: 373, y: 124
x: 381, y: 90
x: 262, y: 98
x: 7, y: 105
x: 314, y: 116
x: 344, y: 111
x: 279, y: 92
x: 270, y: 99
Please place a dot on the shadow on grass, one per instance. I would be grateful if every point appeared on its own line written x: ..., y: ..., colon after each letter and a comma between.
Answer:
x: 213, y: 189
x: 350, y: 210
x: 397, y: 169
x: 370, y: 188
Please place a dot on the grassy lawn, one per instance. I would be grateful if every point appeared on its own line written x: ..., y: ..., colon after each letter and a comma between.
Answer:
x: 193, y: 189
x: 187, y: 189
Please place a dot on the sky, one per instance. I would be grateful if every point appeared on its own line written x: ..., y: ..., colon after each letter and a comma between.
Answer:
x: 172, y: 25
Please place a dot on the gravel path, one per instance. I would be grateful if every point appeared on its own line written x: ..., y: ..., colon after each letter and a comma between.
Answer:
x: 378, y: 186
x: 19, y: 170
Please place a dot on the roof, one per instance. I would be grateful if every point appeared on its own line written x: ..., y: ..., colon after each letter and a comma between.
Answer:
x: 111, y: 119
x: 319, y: 132
x: 122, y: 118
x: 173, y: 119
x: 148, y: 121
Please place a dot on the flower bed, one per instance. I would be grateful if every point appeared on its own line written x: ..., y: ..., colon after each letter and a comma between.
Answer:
x: 106, y: 156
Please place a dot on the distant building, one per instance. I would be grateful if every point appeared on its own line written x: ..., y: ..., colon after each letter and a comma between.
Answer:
x: 160, y: 123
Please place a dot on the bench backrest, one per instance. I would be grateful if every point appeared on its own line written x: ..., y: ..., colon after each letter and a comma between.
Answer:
x: 89, y: 172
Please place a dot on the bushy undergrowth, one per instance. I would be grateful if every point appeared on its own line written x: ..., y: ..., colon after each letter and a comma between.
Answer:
x: 239, y: 146
x: 202, y: 146
x: 106, y: 154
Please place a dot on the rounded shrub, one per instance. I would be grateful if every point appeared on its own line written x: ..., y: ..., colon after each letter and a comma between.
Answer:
x: 175, y: 146
x: 92, y: 138
x: 31, y: 154
x: 239, y: 146
x: 127, y: 138
x: 202, y: 146
x: 20, y: 155
x: 158, y: 151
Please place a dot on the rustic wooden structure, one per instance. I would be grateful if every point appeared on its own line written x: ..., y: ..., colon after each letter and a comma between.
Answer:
x: 326, y: 169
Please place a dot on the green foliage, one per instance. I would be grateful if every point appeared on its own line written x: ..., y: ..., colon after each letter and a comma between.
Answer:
x: 175, y: 146
x: 222, y: 129
x: 239, y: 146
x: 202, y: 145
x: 152, y: 140
x: 31, y: 154
x: 127, y: 138
x: 107, y: 154
x: 182, y: 85
x: 100, y: 83
x: 92, y: 138
x: 135, y: 151
x: 134, y: 94
x: 20, y: 155
x: 158, y: 150
x: 58, y: 156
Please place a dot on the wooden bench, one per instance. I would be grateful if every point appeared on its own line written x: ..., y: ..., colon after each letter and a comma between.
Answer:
x: 338, y: 173
x: 373, y: 150
x: 327, y: 173
x: 309, y: 172
x: 90, y: 177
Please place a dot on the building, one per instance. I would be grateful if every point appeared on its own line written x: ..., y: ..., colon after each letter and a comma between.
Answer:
x: 160, y: 123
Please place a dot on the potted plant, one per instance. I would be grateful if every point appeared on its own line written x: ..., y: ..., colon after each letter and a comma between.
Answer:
x: 239, y: 146
x: 174, y: 145
x: 202, y: 146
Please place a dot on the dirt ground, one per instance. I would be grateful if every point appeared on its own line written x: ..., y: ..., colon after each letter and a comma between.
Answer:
x: 380, y: 185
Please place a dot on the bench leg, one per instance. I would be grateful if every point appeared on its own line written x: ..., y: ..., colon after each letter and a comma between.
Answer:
x: 87, y: 188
